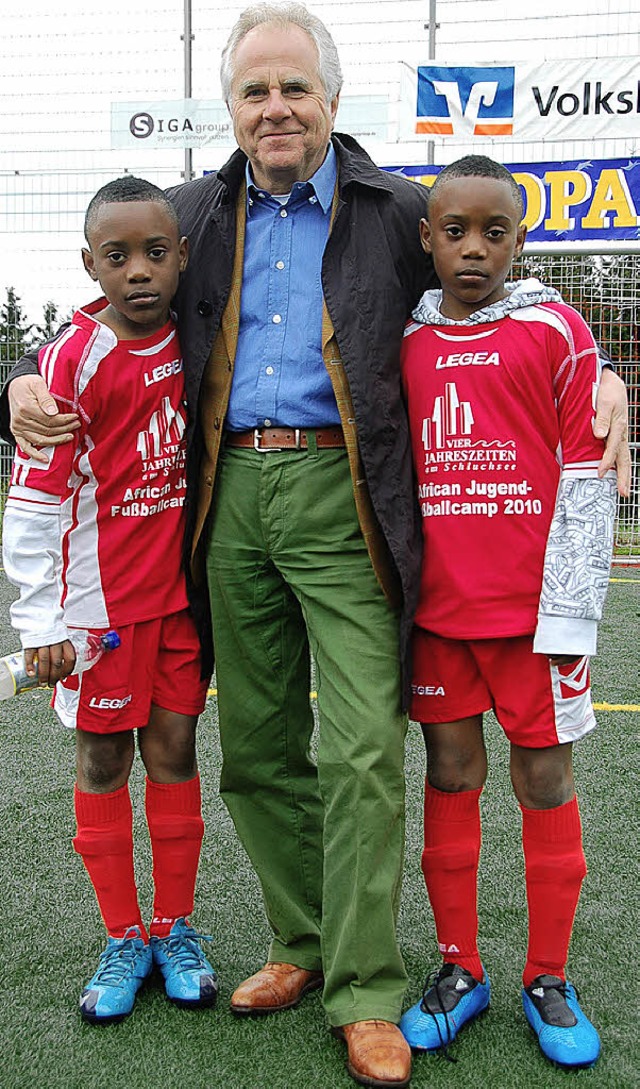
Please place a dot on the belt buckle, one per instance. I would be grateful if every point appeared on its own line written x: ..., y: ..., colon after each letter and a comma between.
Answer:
x: 257, y: 434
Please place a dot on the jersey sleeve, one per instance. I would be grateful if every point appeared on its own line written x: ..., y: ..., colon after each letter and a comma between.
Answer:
x: 580, y: 541
x: 31, y: 554
x: 31, y: 537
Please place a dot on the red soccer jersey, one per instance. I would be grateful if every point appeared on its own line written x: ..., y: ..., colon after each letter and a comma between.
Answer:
x: 494, y: 410
x: 121, y: 483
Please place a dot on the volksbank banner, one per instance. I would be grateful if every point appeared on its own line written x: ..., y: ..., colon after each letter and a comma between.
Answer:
x: 556, y: 100
x: 595, y: 201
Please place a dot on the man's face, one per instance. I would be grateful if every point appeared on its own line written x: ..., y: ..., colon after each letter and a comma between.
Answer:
x: 281, y: 118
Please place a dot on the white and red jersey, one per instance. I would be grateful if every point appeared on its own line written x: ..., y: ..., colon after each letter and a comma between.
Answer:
x: 501, y: 410
x: 94, y: 537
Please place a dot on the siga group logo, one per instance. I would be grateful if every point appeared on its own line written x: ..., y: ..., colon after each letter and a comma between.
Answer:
x: 465, y: 101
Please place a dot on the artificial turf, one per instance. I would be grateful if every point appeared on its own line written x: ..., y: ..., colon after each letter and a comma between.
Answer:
x: 51, y: 936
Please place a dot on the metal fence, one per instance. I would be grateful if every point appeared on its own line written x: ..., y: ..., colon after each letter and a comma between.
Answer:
x: 606, y: 291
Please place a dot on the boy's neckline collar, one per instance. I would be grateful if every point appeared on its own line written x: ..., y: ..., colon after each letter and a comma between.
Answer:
x: 88, y: 315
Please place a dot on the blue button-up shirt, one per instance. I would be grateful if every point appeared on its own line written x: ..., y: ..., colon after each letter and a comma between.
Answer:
x: 279, y: 377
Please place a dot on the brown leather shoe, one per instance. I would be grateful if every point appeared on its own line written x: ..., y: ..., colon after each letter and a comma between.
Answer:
x: 379, y: 1055
x: 275, y: 987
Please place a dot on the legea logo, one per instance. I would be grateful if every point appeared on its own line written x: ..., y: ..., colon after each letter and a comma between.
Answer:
x: 465, y: 101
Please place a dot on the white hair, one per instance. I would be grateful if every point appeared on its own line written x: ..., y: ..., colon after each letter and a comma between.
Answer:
x: 284, y: 15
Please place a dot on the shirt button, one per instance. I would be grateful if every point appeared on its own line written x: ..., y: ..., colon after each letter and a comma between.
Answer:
x: 283, y: 213
x: 276, y: 319
x: 269, y: 370
x: 267, y: 423
x: 280, y: 264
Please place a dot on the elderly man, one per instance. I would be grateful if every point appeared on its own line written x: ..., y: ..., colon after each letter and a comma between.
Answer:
x: 305, y: 263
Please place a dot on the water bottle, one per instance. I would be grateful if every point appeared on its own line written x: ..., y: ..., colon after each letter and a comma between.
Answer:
x: 89, y: 647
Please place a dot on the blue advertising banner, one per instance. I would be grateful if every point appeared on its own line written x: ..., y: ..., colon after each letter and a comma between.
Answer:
x: 595, y: 201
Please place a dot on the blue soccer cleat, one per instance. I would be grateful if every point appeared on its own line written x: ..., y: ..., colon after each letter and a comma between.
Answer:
x: 565, y: 1033
x: 123, y: 968
x: 452, y: 997
x: 189, y: 979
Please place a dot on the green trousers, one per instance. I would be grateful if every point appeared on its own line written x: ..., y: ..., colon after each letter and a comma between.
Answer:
x: 289, y: 572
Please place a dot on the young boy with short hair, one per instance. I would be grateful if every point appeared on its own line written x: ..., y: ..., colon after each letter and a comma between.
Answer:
x: 518, y: 528
x: 93, y: 541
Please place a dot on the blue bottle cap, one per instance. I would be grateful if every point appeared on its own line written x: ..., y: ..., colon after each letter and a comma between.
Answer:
x: 110, y: 640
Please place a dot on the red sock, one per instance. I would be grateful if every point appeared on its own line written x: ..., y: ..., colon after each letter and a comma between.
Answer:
x: 452, y: 837
x: 555, y: 868
x: 176, y: 829
x: 104, y: 840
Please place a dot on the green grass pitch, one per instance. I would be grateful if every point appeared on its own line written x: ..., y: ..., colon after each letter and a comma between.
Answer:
x: 51, y: 934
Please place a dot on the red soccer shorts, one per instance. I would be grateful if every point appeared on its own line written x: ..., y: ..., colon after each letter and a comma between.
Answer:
x: 536, y: 704
x: 158, y: 661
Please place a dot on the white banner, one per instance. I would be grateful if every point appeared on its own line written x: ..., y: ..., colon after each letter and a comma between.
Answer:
x: 186, y: 123
x: 206, y: 122
x: 557, y: 100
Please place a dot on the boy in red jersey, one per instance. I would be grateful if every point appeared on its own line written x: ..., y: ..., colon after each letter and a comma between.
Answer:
x: 518, y: 529
x: 93, y: 541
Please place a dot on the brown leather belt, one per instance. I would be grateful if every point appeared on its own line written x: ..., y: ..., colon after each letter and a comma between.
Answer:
x: 285, y: 438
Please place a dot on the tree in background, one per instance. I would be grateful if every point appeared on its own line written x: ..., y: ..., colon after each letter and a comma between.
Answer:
x: 15, y: 331
x: 50, y: 323
x: 17, y: 334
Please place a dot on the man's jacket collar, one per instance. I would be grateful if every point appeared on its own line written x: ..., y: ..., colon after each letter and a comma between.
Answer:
x: 354, y: 165
x: 232, y: 173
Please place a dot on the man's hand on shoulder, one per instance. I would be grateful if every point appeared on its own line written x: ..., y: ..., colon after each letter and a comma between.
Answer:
x: 611, y: 424
x: 35, y: 420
